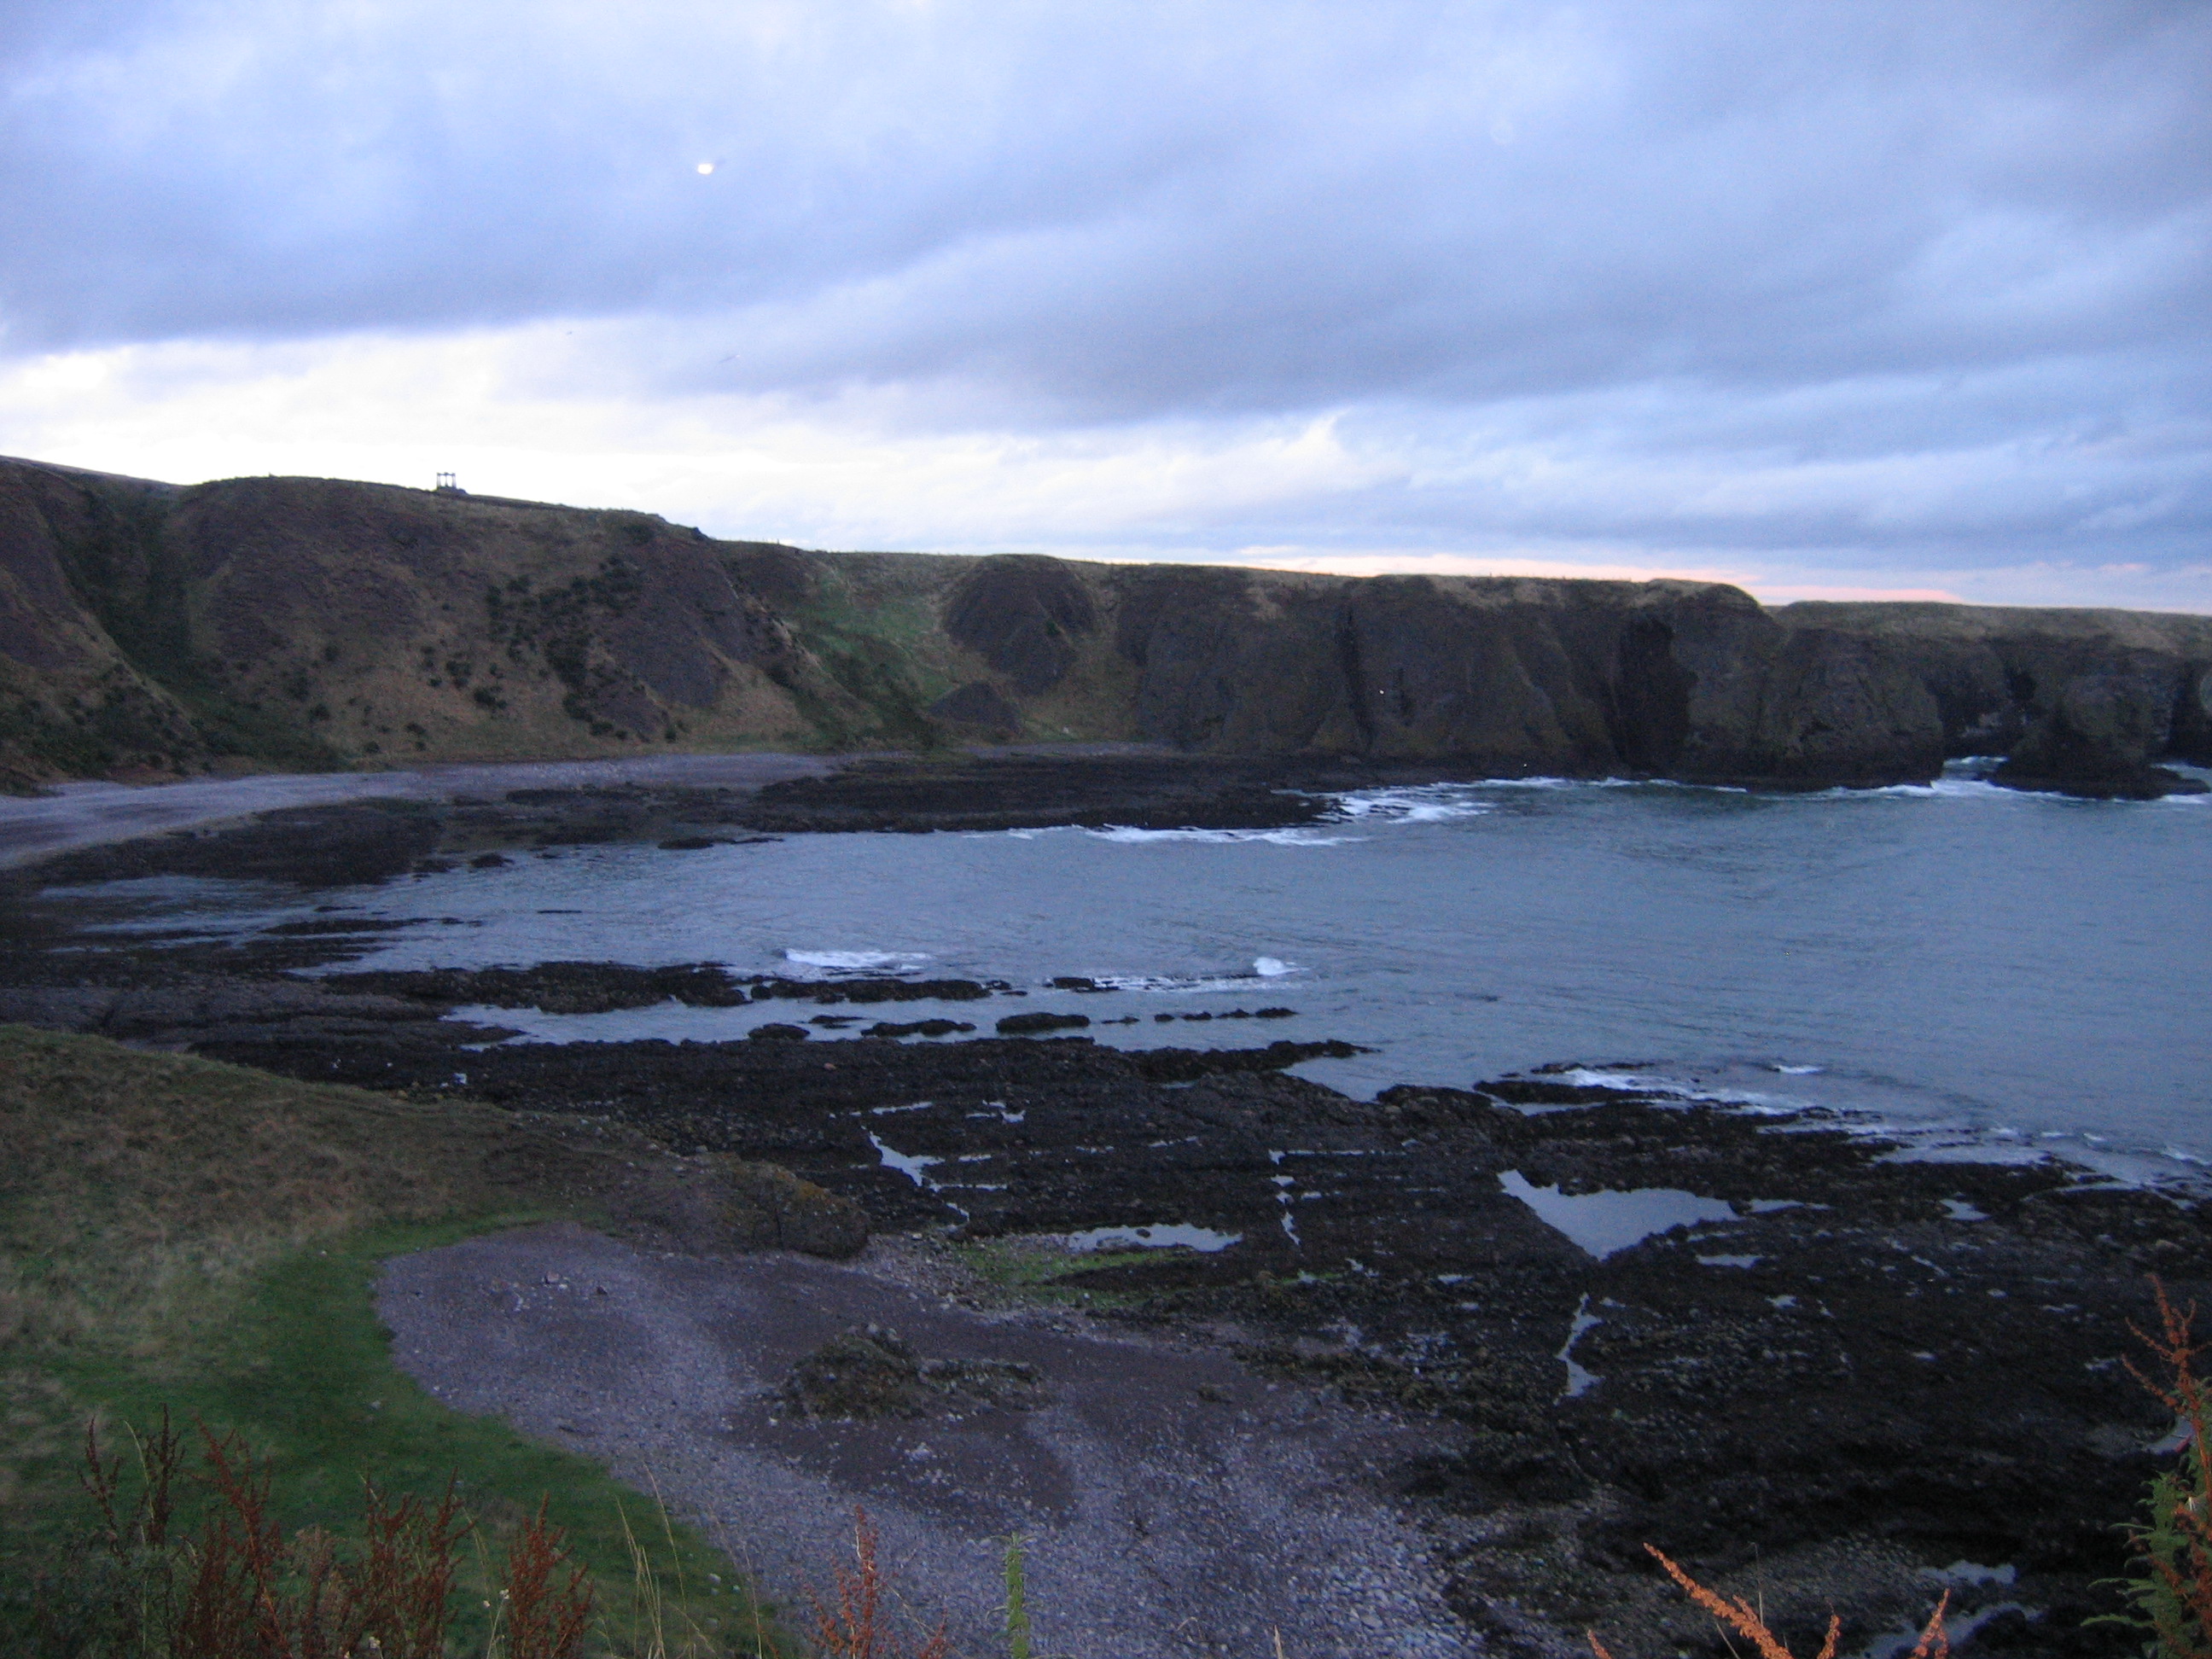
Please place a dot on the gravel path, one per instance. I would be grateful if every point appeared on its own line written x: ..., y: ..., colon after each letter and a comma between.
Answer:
x: 1176, y: 1503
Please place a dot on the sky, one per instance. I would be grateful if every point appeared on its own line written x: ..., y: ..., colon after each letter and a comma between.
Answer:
x: 1896, y: 298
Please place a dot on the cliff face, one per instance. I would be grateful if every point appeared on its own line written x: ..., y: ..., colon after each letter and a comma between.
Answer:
x: 2089, y: 699
x: 300, y: 623
x: 1680, y: 679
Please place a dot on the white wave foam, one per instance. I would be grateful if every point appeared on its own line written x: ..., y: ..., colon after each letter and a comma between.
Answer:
x: 1949, y: 787
x: 1128, y: 836
x: 1967, y: 780
x: 1263, y: 968
x: 1647, y: 1082
x: 1435, y: 802
x: 859, y: 962
x: 1172, y: 983
x: 1914, y: 1139
x: 1428, y: 804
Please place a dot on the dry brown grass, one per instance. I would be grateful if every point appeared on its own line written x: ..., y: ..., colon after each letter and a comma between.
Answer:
x: 140, y: 1193
x: 852, y: 1621
x: 1735, y: 1613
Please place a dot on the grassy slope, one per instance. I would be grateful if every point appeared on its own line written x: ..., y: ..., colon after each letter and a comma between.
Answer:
x: 176, y: 1231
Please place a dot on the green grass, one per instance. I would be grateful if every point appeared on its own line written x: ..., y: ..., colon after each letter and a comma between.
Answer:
x: 303, y: 1372
x: 884, y: 651
x: 1038, y: 1272
x: 178, y: 1233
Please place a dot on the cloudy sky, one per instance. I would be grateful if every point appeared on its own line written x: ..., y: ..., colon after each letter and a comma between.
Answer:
x: 1894, y: 297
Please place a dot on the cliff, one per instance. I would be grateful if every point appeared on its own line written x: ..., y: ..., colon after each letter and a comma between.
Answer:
x: 148, y: 629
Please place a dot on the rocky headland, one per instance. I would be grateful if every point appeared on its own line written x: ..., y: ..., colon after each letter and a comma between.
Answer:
x: 149, y: 631
x: 1836, y: 1377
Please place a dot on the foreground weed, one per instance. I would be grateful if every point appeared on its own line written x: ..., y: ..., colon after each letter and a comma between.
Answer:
x: 851, y: 1623
x: 1740, y: 1616
x: 547, y: 1609
x: 2172, y: 1544
x: 1017, y: 1600
x: 235, y: 1586
x: 662, y: 1625
x: 131, y: 1542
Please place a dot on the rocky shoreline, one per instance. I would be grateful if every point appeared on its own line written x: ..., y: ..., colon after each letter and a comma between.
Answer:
x: 1764, y: 1343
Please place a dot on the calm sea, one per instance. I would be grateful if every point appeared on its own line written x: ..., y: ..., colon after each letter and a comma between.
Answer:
x: 1979, y: 966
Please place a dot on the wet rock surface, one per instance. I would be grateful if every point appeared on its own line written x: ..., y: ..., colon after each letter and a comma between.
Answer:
x: 1020, y: 792
x: 375, y: 840
x: 311, y: 846
x: 1041, y: 1020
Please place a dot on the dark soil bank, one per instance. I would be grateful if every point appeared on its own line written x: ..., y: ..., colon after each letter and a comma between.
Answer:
x: 1855, y: 1369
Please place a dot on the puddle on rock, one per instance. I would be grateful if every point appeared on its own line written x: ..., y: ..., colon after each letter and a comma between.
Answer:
x: 1607, y: 1222
x: 1165, y: 1236
x: 1580, y: 1380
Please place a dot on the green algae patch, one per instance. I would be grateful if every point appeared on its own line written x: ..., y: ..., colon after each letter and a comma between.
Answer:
x: 1039, y: 1268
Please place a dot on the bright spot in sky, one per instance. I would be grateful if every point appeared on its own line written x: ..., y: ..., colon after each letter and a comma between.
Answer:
x: 706, y: 166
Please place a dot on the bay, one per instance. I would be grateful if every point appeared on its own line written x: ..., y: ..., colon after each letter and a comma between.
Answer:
x: 1980, y: 967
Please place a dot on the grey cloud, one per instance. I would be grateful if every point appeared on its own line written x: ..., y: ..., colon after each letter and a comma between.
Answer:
x: 1138, y: 207
x: 1962, y: 248
x: 1901, y: 476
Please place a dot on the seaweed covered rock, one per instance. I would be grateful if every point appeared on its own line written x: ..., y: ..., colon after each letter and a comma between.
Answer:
x: 770, y: 1208
x: 1024, y: 1025
x: 871, y: 1372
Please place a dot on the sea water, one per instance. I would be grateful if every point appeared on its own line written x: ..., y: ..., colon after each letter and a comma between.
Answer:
x: 1984, y: 969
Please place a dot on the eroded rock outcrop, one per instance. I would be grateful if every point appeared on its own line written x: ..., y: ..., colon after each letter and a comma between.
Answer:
x: 2088, y: 701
